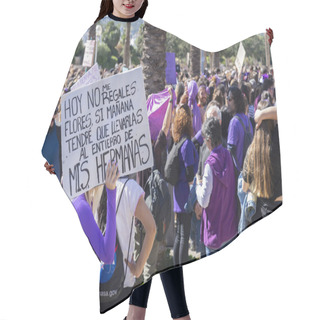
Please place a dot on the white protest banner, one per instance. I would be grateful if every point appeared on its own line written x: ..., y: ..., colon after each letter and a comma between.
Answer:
x: 104, y: 121
x: 89, y: 53
x: 240, y: 58
x: 92, y: 75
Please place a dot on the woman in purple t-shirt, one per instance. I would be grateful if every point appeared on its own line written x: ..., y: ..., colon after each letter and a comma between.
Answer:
x: 236, y: 133
x: 188, y: 159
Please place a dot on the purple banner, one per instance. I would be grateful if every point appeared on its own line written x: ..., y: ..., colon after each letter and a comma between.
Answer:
x: 171, y: 68
x: 157, y: 105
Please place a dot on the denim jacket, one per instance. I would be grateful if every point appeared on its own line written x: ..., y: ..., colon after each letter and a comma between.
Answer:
x: 247, y: 204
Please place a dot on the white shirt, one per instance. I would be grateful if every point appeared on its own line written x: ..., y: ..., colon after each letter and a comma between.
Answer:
x: 127, y: 207
x: 204, y: 190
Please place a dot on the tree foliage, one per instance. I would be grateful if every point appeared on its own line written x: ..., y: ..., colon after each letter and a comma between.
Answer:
x: 79, y: 51
x: 105, y: 58
x: 178, y: 46
x: 108, y: 55
x: 139, y: 42
x: 254, y: 47
x: 111, y: 35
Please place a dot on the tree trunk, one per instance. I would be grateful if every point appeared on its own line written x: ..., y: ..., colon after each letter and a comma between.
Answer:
x: 126, y: 56
x: 211, y: 61
x: 92, y: 32
x: 216, y: 60
x: 153, y: 59
x: 194, y: 61
x: 267, y: 48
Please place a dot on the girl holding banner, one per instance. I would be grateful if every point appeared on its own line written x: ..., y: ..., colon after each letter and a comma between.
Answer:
x: 119, y: 225
x: 172, y: 280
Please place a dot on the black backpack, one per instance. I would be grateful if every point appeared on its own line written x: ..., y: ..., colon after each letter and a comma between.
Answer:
x: 247, y: 137
x: 158, y: 201
x: 172, y: 167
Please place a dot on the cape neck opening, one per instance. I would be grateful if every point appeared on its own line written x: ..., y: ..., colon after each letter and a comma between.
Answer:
x: 113, y: 17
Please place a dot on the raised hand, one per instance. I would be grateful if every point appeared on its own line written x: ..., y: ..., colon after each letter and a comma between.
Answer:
x: 112, y: 176
x: 258, y: 118
x: 270, y: 35
x: 49, y: 168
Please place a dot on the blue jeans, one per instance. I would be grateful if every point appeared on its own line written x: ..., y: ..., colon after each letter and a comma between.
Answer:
x: 210, y: 251
x: 192, y: 199
x: 248, y: 208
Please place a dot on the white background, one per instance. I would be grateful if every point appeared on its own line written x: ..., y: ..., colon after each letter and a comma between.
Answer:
x: 48, y: 269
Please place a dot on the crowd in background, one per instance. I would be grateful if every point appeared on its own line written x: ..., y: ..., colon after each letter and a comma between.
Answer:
x: 224, y: 127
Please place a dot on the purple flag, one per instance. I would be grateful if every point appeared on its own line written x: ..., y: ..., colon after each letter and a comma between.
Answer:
x: 157, y: 105
x: 171, y: 77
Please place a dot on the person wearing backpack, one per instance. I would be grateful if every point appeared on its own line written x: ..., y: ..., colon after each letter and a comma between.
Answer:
x: 187, y: 157
x: 152, y: 180
x: 240, y: 131
x: 157, y: 195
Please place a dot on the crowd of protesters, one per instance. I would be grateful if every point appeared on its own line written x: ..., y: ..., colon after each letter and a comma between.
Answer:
x: 225, y: 128
x: 231, y: 141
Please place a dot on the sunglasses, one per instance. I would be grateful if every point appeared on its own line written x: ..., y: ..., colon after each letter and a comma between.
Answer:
x: 229, y: 98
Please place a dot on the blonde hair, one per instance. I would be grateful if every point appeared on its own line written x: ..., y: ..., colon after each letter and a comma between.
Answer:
x: 93, y: 197
x: 258, y: 159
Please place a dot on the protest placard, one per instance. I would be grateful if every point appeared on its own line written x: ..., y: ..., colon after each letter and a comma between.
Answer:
x: 104, y: 121
x: 92, y: 75
x: 240, y: 58
x: 89, y: 53
x: 171, y: 77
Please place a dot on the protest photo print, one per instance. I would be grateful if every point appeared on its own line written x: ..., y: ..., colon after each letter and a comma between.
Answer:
x: 166, y: 151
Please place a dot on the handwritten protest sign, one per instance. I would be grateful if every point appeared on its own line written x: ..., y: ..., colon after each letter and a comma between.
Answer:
x: 104, y: 121
x: 89, y: 53
x: 240, y: 58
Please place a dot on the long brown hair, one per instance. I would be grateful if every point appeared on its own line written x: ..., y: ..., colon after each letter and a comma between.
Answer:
x: 106, y: 7
x: 182, y: 123
x: 258, y: 160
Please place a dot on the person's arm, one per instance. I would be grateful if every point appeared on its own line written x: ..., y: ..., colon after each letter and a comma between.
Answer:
x: 167, y: 117
x: 103, y: 246
x: 144, y: 215
x: 233, y: 138
x: 245, y: 174
x: 198, y: 140
x: 190, y: 173
x: 233, y: 151
x: 204, y: 191
x: 189, y: 160
x: 245, y: 186
x: 265, y: 114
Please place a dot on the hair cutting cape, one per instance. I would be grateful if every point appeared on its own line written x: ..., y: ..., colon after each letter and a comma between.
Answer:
x: 113, y: 108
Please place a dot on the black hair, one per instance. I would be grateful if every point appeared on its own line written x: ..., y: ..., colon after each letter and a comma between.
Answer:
x: 267, y: 83
x: 180, y: 89
x: 102, y: 211
x: 238, y: 99
x: 246, y: 91
x: 212, y: 129
x: 222, y: 87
